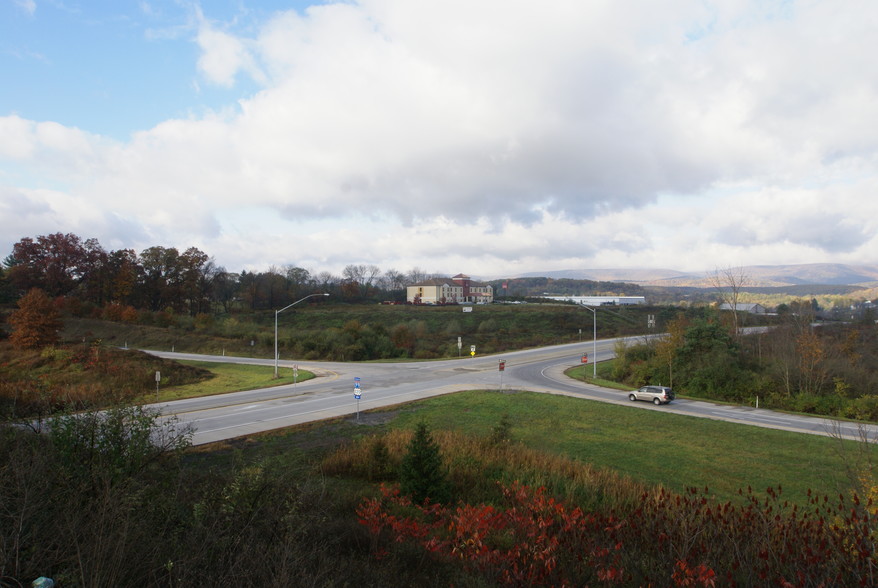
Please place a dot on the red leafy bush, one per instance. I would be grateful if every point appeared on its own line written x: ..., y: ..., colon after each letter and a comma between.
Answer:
x: 533, y: 539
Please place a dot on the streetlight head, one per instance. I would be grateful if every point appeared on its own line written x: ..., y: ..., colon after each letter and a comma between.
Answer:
x: 326, y: 293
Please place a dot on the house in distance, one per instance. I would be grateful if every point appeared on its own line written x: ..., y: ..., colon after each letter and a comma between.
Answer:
x: 457, y: 290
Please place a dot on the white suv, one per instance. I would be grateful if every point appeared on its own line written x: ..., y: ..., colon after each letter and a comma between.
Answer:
x: 655, y: 394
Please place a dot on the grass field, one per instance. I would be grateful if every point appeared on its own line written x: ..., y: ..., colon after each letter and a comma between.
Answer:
x: 230, y: 377
x: 650, y: 446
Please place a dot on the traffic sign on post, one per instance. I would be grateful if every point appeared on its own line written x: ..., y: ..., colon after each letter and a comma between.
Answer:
x: 502, y: 364
x: 585, y: 358
x: 357, y: 394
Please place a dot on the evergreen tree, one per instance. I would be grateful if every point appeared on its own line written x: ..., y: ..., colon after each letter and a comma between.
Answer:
x: 36, y: 322
x: 422, y: 474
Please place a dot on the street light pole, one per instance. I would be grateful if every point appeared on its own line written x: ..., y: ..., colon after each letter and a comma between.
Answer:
x: 277, y: 312
x: 594, y: 340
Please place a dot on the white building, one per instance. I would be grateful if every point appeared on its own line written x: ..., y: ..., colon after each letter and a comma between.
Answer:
x: 456, y: 290
x: 600, y: 300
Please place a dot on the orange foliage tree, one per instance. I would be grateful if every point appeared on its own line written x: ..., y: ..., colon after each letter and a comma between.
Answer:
x: 36, y: 322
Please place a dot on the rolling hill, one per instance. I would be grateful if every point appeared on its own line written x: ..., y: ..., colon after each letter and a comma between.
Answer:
x: 763, y: 276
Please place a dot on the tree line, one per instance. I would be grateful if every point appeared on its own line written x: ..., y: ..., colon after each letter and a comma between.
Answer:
x: 830, y: 369
x: 191, y: 282
x: 188, y: 282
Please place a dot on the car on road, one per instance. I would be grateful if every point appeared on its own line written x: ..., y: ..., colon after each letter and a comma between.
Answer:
x: 655, y: 394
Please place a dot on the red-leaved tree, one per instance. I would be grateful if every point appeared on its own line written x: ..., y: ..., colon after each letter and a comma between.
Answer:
x: 36, y: 322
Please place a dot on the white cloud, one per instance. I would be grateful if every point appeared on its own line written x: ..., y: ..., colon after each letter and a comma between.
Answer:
x: 223, y: 56
x: 28, y: 6
x: 492, y: 135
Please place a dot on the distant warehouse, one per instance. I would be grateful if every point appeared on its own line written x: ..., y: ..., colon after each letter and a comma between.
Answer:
x: 600, y: 300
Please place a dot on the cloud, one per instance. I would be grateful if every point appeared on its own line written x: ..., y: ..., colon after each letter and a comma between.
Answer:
x: 223, y: 56
x: 833, y: 220
x: 28, y: 6
x: 500, y: 132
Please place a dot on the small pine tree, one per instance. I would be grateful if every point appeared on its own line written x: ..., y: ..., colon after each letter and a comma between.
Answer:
x: 36, y: 322
x: 421, y: 474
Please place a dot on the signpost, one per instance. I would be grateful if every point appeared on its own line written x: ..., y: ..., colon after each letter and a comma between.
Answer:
x: 594, y: 339
x: 501, y: 368
x: 295, y: 374
x: 472, y: 350
x: 357, y: 394
x: 459, y: 345
x: 158, y: 378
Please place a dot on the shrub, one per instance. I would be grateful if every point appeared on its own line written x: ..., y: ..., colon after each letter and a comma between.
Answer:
x: 531, y: 538
x: 116, y: 443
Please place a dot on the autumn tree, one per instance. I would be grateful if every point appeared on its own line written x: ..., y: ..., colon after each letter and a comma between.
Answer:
x: 54, y: 263
x: 123, y: 270
x: 668, y: 347
x: 811, y: 355
x: 729, y: 283
x: 36, y: 322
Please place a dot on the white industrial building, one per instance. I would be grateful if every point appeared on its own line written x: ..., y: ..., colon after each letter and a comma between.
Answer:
x: 600, y: 300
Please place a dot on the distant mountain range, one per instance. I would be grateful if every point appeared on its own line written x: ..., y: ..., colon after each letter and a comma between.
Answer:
x: 756, y: 275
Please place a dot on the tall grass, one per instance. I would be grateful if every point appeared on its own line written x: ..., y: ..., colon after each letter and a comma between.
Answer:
x: 80, y: 376
x: 475, y: 465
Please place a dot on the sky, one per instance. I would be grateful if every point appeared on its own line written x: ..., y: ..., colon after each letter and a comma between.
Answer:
x: 488, y: 137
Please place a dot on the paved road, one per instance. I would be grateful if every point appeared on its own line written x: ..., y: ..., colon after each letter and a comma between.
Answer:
x: 331, y: 394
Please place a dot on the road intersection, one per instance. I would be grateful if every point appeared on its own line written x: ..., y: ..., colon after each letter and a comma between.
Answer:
x: 331, y: 393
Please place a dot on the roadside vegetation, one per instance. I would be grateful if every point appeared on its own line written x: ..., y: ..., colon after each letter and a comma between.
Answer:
x: 831, y: 369
x: 37, y: 382
x: 614, y: 499
x: 373, y: 332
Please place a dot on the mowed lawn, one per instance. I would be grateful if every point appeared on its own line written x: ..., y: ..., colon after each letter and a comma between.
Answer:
x: 230, y: 377
x: 651, y: 446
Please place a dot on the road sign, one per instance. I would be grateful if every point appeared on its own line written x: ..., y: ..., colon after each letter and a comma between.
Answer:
x: 459, y: 344
x: 502, y: 364
x: 585, y: 358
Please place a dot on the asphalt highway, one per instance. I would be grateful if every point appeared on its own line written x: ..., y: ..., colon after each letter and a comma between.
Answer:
x: 331, y: 393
